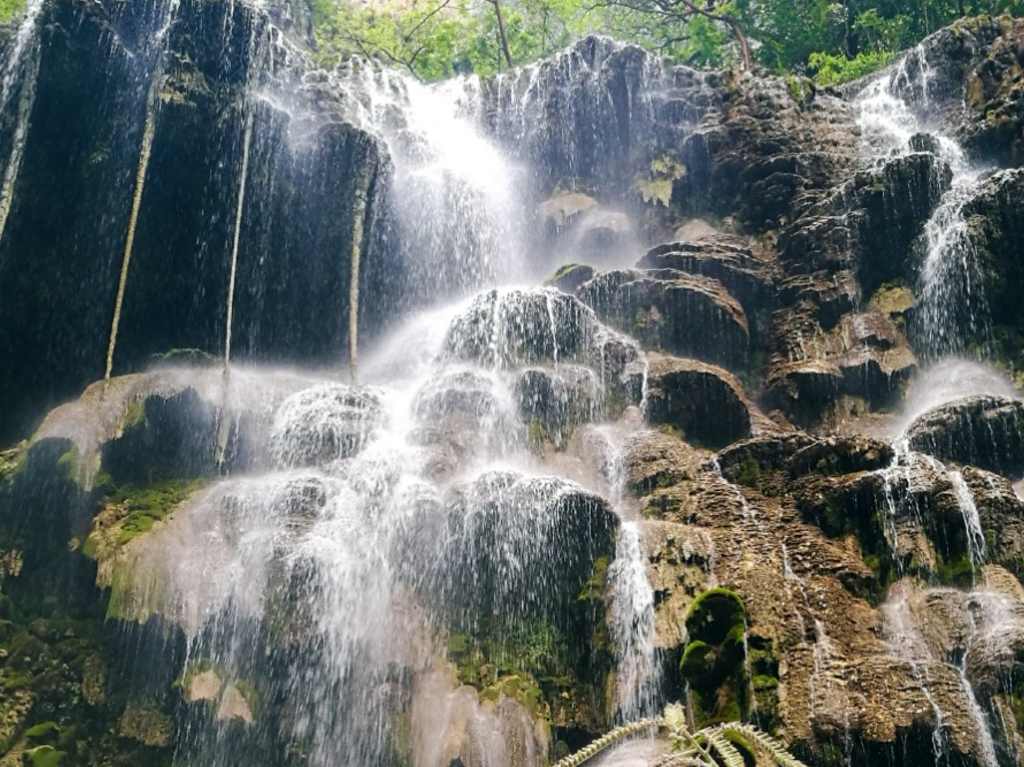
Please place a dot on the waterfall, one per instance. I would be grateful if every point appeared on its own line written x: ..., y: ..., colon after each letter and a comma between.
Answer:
x: 22, y: 62
x: 455, y: 197
x: 240, y: 206
x: 907, y: 644
x: 972, y: 521
x: 392, y: 519
x: 893, y: 113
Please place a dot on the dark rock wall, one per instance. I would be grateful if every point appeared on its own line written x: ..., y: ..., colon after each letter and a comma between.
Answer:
x: 60, y: 256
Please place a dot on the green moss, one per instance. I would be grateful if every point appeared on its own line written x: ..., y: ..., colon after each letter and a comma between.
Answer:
x: 42, y: 732
x: 718, y: 657
x: 698, y: 660
x: 520, y: 687
x: 67, y: 464
x: 763, y: 682
x: 134, y: 415
x: 12, y: 461
x: 597, y: 584
x: 714, y: 614
x: 132, y: 511
x: 956, y: 572
x: 749, y: 473
x: 45, y: 756
x: 11, y: 9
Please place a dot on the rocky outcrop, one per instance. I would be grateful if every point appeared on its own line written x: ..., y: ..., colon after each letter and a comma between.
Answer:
x: 993, y: 220
x: 729, y: 260
x: 672, y: 311
x: 706, y: 404
x: 766, y: 143
x: 97, y: 63
x: 973, y: 63
x: 981, y: 431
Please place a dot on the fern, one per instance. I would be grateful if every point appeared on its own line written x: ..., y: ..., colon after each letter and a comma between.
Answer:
x: 765, y: 742
x: 608, y: 740
x: 720, y: 743
x: 709, y: 747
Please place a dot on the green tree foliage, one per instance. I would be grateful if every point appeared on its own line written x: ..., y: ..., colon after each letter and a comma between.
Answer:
x: 831, y: 40
x: 11, y: 9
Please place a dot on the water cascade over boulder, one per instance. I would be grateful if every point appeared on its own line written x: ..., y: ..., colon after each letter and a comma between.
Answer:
x: 350, y: 420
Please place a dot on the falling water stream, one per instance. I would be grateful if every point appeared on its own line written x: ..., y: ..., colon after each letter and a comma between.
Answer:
x: 894, y: 113
x: 22, y: 66
x: 392, y: 517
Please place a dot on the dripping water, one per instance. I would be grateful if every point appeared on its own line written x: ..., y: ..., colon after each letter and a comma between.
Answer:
x: 891, y: 111
x: 22, y: 64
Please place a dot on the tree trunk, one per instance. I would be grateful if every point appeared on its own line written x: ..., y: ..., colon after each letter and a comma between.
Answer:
x: 502, y: 37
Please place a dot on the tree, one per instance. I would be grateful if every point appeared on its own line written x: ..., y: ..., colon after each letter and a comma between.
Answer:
x: 678, y: 16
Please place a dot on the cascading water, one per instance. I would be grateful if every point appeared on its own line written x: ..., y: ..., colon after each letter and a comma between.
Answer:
x: 631, y: 598
x: 394, y: 520
x: 454, y: 197
x: 894, y: 117
x: 22, y: 66
x: 937, y: 385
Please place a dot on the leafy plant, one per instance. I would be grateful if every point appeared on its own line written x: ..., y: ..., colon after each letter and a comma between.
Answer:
x: 716, y: 746
x: 835, y: 69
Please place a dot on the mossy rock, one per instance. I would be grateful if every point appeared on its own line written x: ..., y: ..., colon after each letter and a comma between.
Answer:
x: 147, y: 725
x: 570, y: 276
x: 44, y: 756
x: 715, y: 660
x: 714, y: 614
x: 129, y: 512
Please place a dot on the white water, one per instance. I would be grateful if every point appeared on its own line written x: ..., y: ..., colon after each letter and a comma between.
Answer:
x: 455, y: 193
x: 972, y: 520
x: 906, y: 643
x: 397, y: 509
x: 952, y: 309
x: 22, y: 63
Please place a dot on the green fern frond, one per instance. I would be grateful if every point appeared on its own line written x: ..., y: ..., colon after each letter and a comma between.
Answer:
x: 710, y: 747
x: 765, y: 742
x: 716, y: 738
x: 608, y: 740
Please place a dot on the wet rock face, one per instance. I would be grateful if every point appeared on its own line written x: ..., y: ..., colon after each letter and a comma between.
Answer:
x: 96, y: 64
x: 674, y: 312
x: 729, y: 260
x: 602, y: 112
x: 975, y: 63
x: 982, y: 431
x: 764, y: 146
x: 514, y: 549
x: 515, y: 327
x: 997, y: 236
x: 705, y: 403
x: 556, y: 401
x: 323, y: 424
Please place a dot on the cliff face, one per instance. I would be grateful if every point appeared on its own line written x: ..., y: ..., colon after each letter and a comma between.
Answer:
x: 736, y: 452
x: 216, y: 69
